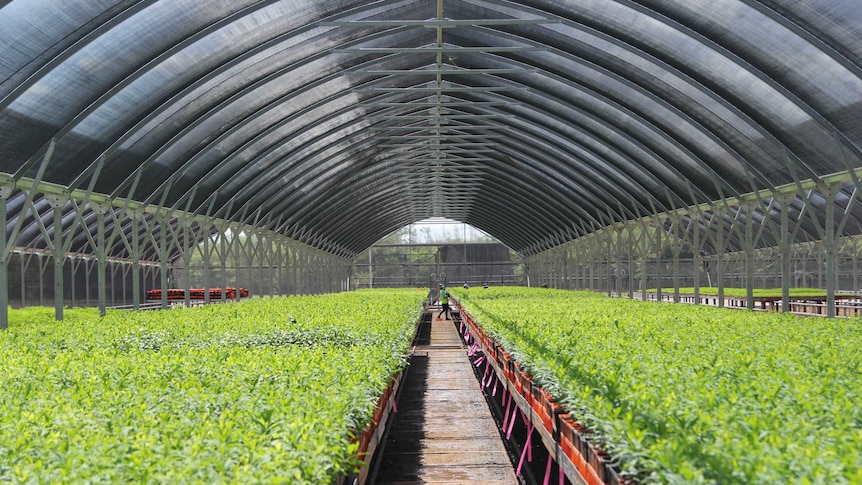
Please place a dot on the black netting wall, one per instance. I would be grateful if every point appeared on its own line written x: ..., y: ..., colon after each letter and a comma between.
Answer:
x: 263, y: 272
x: 423, y: 264
x: 31, y: 281
x: 622, y: 275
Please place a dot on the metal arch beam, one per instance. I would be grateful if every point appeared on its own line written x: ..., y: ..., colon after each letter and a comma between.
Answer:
x: 290, y: 209
x: 271, y: 150
x: 364, y: 171
x: 631, y: 138
x: 675, y: 139
x: 573, y: 148
x: 486, y: 217
x: 436, y: 23
x: 148, y: 66
x: 526, y: 210
x: 296, y: 115
x: 551, y: 185
x: 497, y: 225
x: 209, y: 76
x: 486, y: 190
x: 357, y: 120
x: 492, y: 222
x: 276, y: 103
x: 585, y: 28
x: 558, y: 222
x: 363, y: 243
x: 347, y: 175
x: 397, y: 185
x: 602, y: 179
x: 546, y: 153
x: 364, y: 229
x: 267, y: 187
x: 745, y: 164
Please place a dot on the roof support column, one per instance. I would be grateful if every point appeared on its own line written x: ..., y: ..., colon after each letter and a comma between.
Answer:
x: 630, y: 242
x: 748, y: 209
x: 164, y: 223
x: 831, y: 243
x: 244, y: 256
x: 186, y: 225
x: 676, y: 247
x: 644, y: 246
x: 619, y: 272
x: 696, y: 258
x: 255, y: 255
x: 207, y: 254
x: 101, y: 256
x: 279, y: 268
x: 659, y: 231
x: 261, y: 253
x: 5, y: 256
x: 226, y: 250
x: 57, y: 202
x: 609, y: 245
x: 719, y: 255
x: 854, y: 244
x: 294, y: 263
x: 134, y: 233
x: 784, y: 249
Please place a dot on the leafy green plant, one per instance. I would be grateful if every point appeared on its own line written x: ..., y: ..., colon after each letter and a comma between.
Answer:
x: 692, y: 394
x: 266, y: 390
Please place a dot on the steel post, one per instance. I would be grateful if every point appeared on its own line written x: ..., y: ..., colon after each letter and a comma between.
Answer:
x: 58, y: 254
x: 676, y: 247
x: 697, y: 261
x: 101, y: 257
x: 5, y: 253
x: 784, y: 249
x: 829, y: 192
x: 134, y: 233
x: 164, y: 222
x: 748, y: 207
x: 719, y: 257
x: 659, y: 229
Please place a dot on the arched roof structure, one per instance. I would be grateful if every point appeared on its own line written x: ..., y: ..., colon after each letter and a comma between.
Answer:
x: 335, y: 122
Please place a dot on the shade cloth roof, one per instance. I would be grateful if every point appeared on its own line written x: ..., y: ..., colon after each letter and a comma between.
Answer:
x: 336, y: 122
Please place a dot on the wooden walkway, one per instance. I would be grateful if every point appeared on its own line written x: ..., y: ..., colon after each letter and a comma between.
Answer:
x: 443, y: 432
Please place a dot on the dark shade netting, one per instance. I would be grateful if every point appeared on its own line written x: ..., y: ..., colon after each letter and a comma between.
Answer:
x: 335, y: 122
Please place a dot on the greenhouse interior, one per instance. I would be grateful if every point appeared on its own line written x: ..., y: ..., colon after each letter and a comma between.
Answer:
x: 627, y: 199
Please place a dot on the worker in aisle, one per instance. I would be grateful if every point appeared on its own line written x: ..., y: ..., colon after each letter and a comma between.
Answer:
x: 444, y: 300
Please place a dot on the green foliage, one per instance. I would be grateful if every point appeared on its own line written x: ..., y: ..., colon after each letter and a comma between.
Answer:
x: 690, y: 394
x: 266, y: 390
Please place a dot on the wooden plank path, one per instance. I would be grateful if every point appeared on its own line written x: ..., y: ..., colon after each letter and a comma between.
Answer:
x: 443, y: 432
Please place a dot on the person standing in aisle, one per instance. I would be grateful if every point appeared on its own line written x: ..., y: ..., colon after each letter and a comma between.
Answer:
x: 444, y: 300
